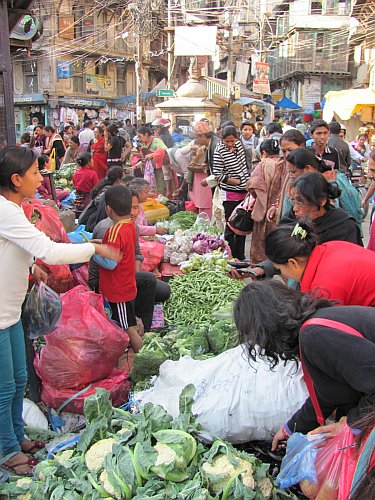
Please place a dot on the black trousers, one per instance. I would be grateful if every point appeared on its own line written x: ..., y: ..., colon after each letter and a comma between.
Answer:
x: 235, y: 241
x: 149, y: 291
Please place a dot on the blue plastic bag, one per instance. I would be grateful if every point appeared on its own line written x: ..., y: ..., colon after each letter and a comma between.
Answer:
x: 79, y: 235
x: 299, y: 461
x: 69, y: 200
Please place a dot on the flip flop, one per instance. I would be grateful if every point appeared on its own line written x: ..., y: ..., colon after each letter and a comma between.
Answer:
x: 36, y: 446
x: 31, y: 463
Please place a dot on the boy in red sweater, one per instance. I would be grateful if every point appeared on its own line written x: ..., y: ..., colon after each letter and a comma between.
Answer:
x: 117, y: 279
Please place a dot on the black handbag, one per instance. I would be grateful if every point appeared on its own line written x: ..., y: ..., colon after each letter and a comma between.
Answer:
x: 240, y: 221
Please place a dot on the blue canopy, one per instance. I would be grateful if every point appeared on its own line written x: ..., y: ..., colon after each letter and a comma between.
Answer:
x: 287, y: 103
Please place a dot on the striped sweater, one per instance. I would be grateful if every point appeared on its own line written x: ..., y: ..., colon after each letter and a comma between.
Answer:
x: 232, y: 164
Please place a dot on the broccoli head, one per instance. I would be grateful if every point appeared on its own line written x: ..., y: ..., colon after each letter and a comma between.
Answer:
x: 222, y: 336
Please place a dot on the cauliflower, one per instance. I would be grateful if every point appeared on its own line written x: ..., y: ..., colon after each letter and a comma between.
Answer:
x: 104, y: 479
x: 95, y: 455
x: 24, y: 484
x: 265, y: 487
x: 166, y: 455
x: 247, y: 477
x: 221, y: 466
x: 64, y: 456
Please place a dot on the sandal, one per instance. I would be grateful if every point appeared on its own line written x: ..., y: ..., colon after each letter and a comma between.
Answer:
x: 21, y: 468
x: 35, y: 446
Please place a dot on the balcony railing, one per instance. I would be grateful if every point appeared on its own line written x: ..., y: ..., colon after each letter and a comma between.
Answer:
x: 285, y: 67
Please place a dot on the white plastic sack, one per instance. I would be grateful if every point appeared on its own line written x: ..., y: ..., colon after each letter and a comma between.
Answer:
x: 33, y: 416
x: 235, y: 401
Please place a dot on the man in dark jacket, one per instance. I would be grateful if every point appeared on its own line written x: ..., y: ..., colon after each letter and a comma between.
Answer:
x: 341, y: 146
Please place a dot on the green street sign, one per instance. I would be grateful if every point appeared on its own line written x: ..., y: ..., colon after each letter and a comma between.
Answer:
x: 165, y: 93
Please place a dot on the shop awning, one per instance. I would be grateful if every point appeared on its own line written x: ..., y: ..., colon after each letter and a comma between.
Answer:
x: 132, y: 98
x: 345, y: 103
x: 287, y: 104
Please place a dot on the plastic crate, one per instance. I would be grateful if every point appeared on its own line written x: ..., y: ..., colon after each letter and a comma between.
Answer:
x: 168, y: 271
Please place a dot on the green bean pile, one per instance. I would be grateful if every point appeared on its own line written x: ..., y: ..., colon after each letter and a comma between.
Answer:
x: 197, y: 294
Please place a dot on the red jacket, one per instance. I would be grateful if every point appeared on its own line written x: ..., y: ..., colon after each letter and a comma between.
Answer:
x: 341, y: 271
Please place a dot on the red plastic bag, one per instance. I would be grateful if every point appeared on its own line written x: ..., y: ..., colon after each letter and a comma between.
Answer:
x: 46, y: 219
x: 117, y: 384
x: 152, y: 253
x: 334, y: 465
x: 86, y: 345
x: 190, y: 206
x: 60, y: 278
x: 81, y: 275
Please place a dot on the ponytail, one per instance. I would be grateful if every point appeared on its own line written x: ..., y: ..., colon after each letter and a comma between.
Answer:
x: 114, y: 174
x: 315, y: 188
x: 288, y: 242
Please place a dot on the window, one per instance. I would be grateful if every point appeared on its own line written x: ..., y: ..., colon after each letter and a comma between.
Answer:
x: 121, y: 79
x: 78, y: 13
x: 316, y: 7
x: 78, y: 78
x: 100, y: 68
x: 31, y: 77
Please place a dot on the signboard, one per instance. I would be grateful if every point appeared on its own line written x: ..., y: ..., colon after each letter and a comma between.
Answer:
x: 261, y: 82
x: 165, y: 93
x: 81, y: 103
x: 195, y: 40
x: 64, y: 69
x: 96, y: 84
x: 66, y: 27
x: 29, y: 98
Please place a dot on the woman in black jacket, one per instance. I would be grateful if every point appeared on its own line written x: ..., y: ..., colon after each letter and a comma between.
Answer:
x: 310, y: 197
x: 340, y: 364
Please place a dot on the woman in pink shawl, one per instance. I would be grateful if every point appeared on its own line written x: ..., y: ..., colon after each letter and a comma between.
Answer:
x: 265, y: 185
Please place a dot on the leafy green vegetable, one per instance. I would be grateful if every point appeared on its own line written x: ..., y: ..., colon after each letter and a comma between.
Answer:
x: 147, y: 455
x: 222, y: 336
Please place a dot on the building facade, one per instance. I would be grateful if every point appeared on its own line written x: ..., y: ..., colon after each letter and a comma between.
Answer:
x: 310, y: 53
x: 83, y: 64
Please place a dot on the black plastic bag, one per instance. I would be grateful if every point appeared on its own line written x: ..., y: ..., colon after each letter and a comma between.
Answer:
x: 42, y: 311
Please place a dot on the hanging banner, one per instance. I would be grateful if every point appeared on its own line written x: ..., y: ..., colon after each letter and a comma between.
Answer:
x: 64, y: 69
x: 96, y: 84
x: 261, y: 82
x: 66, y: 27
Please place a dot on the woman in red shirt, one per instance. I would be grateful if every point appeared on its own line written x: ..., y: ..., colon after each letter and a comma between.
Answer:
x: 336, y: 270
x: 84, y: 181
x: 99, y: 154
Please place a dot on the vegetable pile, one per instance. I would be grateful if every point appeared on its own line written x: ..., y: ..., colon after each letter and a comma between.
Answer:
x: 195, y: 295
x: 144, y: 456
x: 199, y: 342
x: 215, y: 261
x: 179, y: 221
x: 64, y: 176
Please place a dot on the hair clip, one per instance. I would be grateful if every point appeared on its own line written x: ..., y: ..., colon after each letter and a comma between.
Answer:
x: 298, y: 230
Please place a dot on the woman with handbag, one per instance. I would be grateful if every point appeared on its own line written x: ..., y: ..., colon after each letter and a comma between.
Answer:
x: 231, y: 172
x: 99, y: 154
x: 336, y: 345
x: 20, y: 244
x: 153, y: 149
x: 265, y: 185
x: 54, y: 147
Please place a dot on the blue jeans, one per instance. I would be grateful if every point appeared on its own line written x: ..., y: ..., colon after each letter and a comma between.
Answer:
x: 13, y: 379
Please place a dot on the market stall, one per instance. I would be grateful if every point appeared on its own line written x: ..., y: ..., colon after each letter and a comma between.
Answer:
x: 354, y: 108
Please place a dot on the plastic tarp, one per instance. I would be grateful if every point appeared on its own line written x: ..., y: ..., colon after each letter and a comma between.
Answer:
x: 345, y: 103
x: 287, y: 104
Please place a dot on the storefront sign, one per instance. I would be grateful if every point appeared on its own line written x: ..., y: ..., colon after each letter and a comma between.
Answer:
x: 29, y: 99
x: 66, y: 27
x: 96, y: 85
x: 261, y: 83
x: 64, y: 69
x: 76, y: 102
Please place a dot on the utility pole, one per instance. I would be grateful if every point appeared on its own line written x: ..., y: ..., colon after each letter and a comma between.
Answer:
x: 138, y: 78
x: 7, y: 80
x: 169, y: 45
x: 230, y: 57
